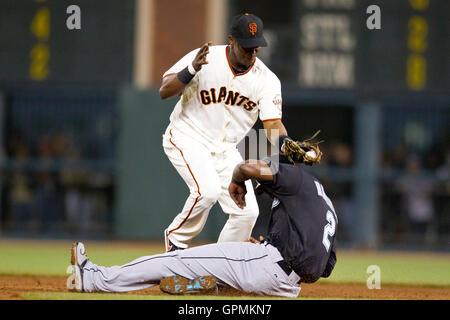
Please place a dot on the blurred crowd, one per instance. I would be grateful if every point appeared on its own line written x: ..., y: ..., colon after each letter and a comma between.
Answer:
x: 46, y: 190
x: 414, y: 192
x: 416, y: 203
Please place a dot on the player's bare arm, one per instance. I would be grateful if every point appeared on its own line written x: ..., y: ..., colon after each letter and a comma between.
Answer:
x: 249, y: 169
x: 173, y: 84
x: 274, y: 129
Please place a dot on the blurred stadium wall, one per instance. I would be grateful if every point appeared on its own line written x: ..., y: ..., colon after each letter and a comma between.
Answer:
x: 81, y: 121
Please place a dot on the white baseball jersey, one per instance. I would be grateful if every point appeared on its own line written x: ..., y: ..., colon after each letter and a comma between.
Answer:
x: 218, y: 107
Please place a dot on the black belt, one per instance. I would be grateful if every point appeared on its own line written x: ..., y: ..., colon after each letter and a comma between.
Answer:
x: 285, y: 266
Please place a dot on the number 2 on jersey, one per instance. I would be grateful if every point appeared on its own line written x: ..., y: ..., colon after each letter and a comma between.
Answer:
x: 330, y: 228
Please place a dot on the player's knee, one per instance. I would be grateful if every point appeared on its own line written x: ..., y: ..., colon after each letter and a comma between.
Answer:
x: 211, y: 195
x: 252, y: 213
x: 248, y: 219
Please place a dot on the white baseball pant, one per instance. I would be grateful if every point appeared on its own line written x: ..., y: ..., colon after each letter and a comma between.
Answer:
x: 245, y: 266
x: 208, y: 176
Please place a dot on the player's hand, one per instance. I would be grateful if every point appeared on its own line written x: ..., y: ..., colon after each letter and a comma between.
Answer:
x: 200, y: 58
x: 237, y: 192
x: 253, y: 240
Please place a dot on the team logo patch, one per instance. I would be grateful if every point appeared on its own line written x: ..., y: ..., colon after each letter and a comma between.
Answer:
x: 277, y: 100
x: 253, y: 27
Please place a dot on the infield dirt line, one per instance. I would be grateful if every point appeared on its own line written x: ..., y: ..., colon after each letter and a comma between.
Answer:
x: 12, y: 288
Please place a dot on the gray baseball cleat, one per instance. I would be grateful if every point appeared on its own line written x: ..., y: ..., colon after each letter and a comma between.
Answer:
x: 78, y: 259
x: 182, y: 285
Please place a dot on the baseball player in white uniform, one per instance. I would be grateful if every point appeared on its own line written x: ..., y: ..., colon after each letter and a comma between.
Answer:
x: 223, y: 90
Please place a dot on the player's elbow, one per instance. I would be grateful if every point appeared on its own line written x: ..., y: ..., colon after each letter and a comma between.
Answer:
x: 256, y: 169
x: 167, y: 91
x: 170, y: 87
x: 248, y: 169
x: 163, y: 93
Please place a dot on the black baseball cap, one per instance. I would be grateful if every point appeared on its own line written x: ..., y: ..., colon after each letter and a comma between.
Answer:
x: 247, y: 29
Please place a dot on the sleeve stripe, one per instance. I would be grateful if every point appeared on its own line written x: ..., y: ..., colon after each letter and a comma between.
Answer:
x: 271, y: 119
x: 168, y: 74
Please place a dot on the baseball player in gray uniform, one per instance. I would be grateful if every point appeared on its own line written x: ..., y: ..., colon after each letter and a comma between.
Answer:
x: 299, y: 247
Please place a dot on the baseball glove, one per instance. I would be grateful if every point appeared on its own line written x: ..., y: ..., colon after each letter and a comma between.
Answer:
x: 306, y: 151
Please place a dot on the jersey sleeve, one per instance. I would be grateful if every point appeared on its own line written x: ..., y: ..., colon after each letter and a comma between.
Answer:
x: 182, y: 63
x: 286, y: 178
x: 330, y: 263
x: 270, y: 99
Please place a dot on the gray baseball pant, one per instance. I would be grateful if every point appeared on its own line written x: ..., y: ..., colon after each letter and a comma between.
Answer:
x: 245, y: 266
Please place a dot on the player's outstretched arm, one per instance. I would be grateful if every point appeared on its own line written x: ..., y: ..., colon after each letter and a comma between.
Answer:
x: 249, y: 169
x: 274, y: 129
x: 173, y: 84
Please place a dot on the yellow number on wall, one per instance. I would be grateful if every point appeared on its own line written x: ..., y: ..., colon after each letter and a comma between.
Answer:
x: 40, y: 55
x: 417, y: 37
x: 40, y: 26
x: 416, y: 72
x: 419, y: 4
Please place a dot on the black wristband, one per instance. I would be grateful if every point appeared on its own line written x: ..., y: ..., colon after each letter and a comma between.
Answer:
x: 185, y: 76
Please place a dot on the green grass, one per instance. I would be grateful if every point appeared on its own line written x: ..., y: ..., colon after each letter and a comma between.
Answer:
x: 415, y: 269
x: 51, y: 258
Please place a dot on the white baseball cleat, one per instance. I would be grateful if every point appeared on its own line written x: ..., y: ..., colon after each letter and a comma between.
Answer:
x: 78, y: 259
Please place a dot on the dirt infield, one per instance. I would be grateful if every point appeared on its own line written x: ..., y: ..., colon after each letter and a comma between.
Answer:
x: 11, y: 288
